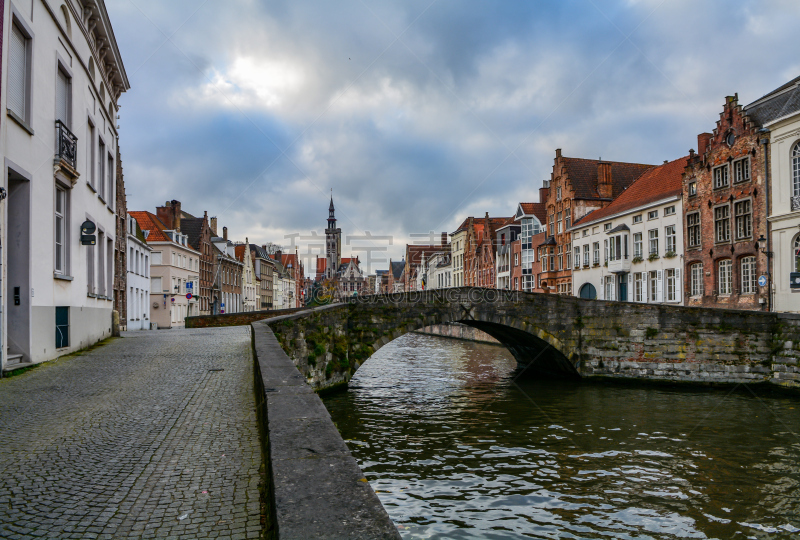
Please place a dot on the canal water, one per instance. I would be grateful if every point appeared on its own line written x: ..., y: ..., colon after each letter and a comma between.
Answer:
x: 459, y: 444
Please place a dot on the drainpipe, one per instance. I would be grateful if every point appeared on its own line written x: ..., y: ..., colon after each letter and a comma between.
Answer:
x: 765, y: 142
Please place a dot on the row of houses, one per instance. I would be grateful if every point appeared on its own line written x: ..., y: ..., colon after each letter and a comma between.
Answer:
x: 718, y: 227
x: 183, y: 267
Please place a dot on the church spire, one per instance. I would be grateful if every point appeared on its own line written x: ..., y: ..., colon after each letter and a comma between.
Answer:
x: 331, y: 214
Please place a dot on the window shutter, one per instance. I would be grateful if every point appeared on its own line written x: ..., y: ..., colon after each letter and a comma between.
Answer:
x: 659, y: 287
x: 17, y: 72
x: 62, y: 98
x: 678, y: 283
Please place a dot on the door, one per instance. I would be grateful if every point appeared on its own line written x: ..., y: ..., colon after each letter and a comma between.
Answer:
x: 62, y: 327
x: 623, y: 287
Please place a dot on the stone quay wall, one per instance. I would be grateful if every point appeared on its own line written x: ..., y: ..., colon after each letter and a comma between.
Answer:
x: 235, y: 319
x: 313, y: 486
x: 458, y: 331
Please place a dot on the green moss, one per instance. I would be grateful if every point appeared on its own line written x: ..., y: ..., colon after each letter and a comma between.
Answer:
x: 650, y: 333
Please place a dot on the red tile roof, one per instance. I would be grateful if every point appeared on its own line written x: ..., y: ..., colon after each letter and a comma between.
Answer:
x: 346, y: 260
x: 149, y: 222
x: 582, y: 174
x: 655, y: 184
x: 536, y: 209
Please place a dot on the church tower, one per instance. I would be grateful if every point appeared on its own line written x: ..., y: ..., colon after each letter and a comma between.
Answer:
x: 333, y: 244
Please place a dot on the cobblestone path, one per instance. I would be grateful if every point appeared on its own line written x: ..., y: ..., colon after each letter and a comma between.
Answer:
x: 138, y: 438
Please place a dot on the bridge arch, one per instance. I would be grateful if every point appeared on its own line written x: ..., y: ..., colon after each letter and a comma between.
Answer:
x: 537, y: 351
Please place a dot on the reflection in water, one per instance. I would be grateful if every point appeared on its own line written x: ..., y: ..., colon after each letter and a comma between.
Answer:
x: 456, y: 447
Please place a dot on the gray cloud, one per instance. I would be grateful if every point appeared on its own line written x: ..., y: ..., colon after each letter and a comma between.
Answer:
x: 254, y: 110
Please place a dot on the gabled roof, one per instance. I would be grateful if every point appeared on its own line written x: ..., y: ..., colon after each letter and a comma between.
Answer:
x: 193, y: 229
x: 781, y: 102
x: 397, y: 268
x: 532, y: 209
x: 654, y: 185
x: 239, y: 250
x: 463, y: 225
x: 149, y: 222
x: 289, y: 259
x: 346, y: 260
x: 582, y: 174
x: 509, y: 222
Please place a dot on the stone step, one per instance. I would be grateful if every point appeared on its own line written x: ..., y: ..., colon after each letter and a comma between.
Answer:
x: 14, y: 361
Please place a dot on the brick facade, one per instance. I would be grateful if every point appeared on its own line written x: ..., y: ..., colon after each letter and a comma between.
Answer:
x: 121, y: 247
x: 724, y: 202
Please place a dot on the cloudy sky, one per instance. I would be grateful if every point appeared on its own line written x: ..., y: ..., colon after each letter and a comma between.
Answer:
x: 422, y: 112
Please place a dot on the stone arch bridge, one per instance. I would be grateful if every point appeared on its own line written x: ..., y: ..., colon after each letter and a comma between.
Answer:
x: 553, y: 336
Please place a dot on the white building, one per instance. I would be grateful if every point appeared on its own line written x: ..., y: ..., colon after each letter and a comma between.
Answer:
x: 505, y: 237
x: 439, y: 268
x: 531, y: 217
x: 779, y: 112
x: 250, y: 299
x: 62, y: 75
x: 632, y: 250
x: 138, y: 317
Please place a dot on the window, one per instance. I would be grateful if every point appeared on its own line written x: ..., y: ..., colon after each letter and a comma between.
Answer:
x: 744, y: 227
x: 721, y: 177
x: 741, y: 170
x: 749, y: 277
x: 724, y: 277
x: 605, y: 248
x: 62, y: 327
x: 552, y: 225
x: 637, y: 244
x: 90, y: 159
x: 797, y: 254
x: 552, y: 260
x: 722, y: 224
x: 653, y: 214
x: 669, y: 210
x: 653, y: 286
x: 101, y: 157
x: 558, y: 193
x: 516, y: 259
x: 693, y: 229
x: 110, y: 266
x: 696, y: 278
x: 796, y: 170
x: 586, y: 254
x: 560, y: 258
x: 638, y: 289
x: 577, y: 257
x: 61, y: 231
x: 101, y: 264
x: 156, y: 258
x: 558, y: 220
x: 692, y: 188
x: 63, y: 97
x: 19, y: 72
x: 568, y: 219
x: 672, y: 290
x: 596, y: 247
x: 110, y: 175
x: 653, y: 237
x: 637, y: 219
x: 609, y: 286
x: 669, y: 236
x: 607, y: 227
x: 585, y: 233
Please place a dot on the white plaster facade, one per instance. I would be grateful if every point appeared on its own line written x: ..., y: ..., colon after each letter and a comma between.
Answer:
x: 440, y: 270
x: 604, y: 252
x: 138, y: 274
x: 174, y: 265
x: 784, y: 218
x: 62, y: 76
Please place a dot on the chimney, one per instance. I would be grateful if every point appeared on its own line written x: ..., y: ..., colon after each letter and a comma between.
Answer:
x: 544, y: 192
x: 702, y: 143
x: 176, y: 214
x: 213, y: 224
x: 558, y: 152
x: 224, y: 233
x: 604, y: 187
x: 444, y: 239
x: 164, y: 213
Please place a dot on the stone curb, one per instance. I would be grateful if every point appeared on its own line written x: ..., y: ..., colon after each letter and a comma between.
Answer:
x: 316, y: 489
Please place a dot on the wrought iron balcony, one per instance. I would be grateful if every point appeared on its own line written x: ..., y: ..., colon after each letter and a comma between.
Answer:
x: 796, y: 202
x: 66, y: 146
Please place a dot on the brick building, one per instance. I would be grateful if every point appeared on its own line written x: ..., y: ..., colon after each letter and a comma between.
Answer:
x: 725, y: 214
x: 120, y: 248
x: 576, y: 187
x: 199, y: 231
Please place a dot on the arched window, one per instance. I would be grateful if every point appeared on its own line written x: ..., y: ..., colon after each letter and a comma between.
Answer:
x: 796, y: 169
x: 67, y: 22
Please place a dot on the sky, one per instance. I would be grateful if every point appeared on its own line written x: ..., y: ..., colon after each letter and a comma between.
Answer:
x: 418, y: 114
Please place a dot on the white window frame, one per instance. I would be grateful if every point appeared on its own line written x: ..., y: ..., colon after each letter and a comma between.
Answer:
x: 749, y: 275
x: 721, y: 177
x: 19, y: 24
x: 741, y: 170
x: 724, y: 277
x: 637, y: 245
x: 670, y: 238
x: 61, y: 227
x: 743, y: 223
x: 696, y: 279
